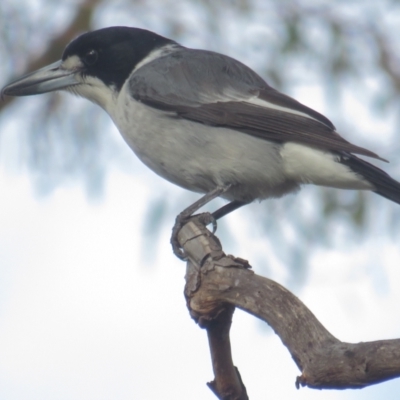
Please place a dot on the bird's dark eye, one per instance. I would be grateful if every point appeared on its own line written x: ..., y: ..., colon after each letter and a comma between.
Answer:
x: 90, y: 57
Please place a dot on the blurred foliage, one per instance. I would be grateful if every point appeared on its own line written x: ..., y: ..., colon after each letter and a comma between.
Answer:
x: 321, y: 50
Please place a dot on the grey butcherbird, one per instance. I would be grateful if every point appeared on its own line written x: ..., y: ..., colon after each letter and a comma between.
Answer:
x: 205, y: 121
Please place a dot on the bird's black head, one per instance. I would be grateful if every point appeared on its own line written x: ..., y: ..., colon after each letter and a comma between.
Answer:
x: 111, y: 54
x: 108, y: 55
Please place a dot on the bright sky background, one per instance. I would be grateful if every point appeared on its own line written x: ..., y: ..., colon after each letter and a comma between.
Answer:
x: 82, y: 316
x: 86, y: 314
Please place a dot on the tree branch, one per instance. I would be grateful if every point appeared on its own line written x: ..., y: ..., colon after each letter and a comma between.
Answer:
x: 216, y: 282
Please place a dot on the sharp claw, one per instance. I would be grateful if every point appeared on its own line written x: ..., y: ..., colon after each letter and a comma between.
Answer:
x: 214, y: 225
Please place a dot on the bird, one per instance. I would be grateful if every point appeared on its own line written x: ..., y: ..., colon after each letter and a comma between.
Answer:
x: 205, y: 121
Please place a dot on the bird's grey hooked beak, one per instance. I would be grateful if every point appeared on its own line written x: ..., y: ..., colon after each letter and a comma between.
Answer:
x: 47, y: 79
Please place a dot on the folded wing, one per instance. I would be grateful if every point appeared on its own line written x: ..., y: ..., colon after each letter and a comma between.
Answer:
x: 216, y: 90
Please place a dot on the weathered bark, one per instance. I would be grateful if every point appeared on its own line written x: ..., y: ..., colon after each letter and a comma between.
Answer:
x: 215, y: 283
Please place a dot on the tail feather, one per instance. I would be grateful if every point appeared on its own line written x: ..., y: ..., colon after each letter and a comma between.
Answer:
x: 383, y: 183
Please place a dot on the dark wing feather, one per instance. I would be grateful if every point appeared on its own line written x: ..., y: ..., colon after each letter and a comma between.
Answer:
x: 214, y: 90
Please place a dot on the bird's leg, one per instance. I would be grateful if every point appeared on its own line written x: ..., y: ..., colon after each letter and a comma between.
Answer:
x: 227, y: 208
x: 182, y: 218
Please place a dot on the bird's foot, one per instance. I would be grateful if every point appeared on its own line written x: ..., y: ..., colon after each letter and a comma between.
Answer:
x: 181, y: 220
x: 187, y: 213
